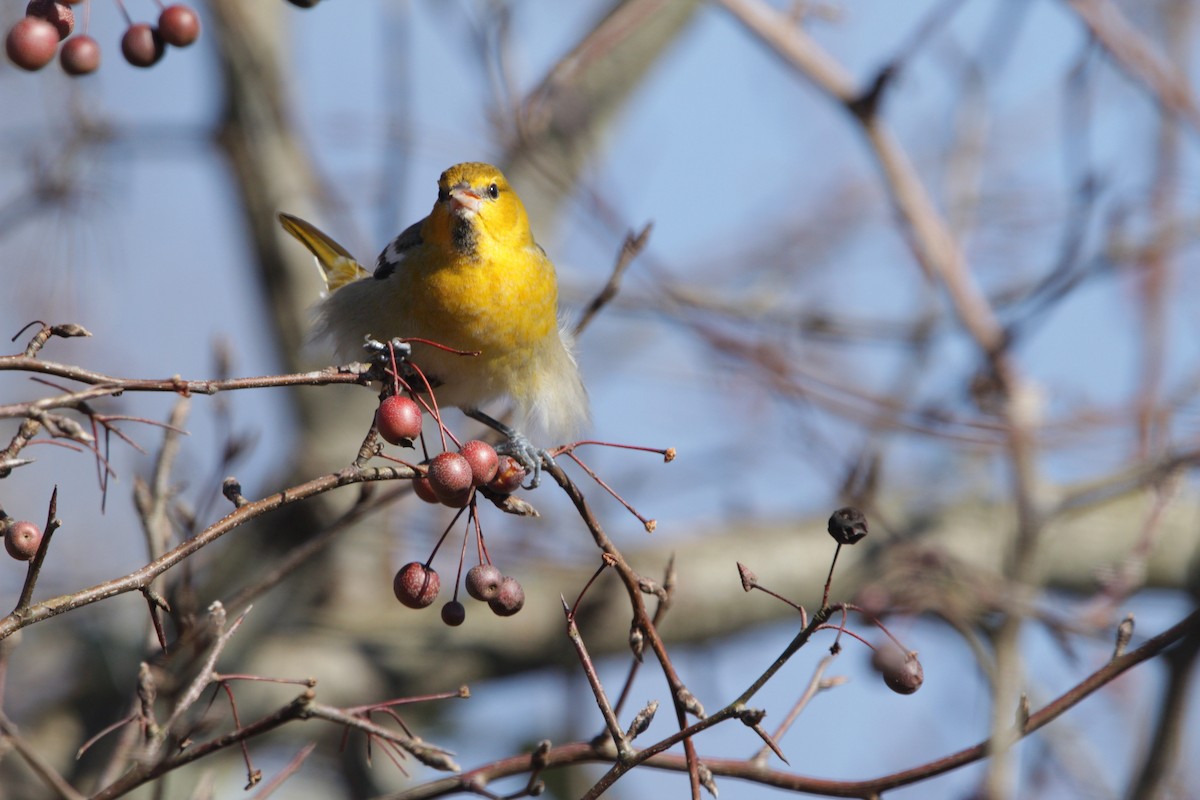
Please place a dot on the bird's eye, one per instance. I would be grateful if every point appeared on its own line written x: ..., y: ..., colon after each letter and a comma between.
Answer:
x: 443, y: 195
x: 493, y: 191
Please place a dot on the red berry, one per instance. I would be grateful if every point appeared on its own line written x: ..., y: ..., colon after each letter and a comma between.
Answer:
x: 416, y: 585
x: 483, y: 581
x: 31, y: 43
x: 483, y: 460
x: 80, y: 55
x: 424, y: 490
x: 22, y: 540
x: 398, y: 419
x: 57, y: 14
x: 142, y: 45
x: 179, y: 25
x: 454, y: 613
x: 509, y: 598
x: 509, y: 476
x: 450, y: 478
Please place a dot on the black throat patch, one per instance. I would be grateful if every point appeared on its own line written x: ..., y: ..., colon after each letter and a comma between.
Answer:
x: 464, y: 235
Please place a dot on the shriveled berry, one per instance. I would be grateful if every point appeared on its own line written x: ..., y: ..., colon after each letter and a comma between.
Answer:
x: 398, y: 419
x: 416, y: 585
x: 509, y: 476
x: 59, y: 15
x: 483, y: 460
x: 31, y: 43
x: 847, y: 525
x: 80, y: 55
x: 509, y: 598
x: 22, y: 540
x: 179, y: 25
x: 454, y: 613
x: 142, y: 45
x: 902, y: 672
x: 483, y: 581
x: 450, y: 477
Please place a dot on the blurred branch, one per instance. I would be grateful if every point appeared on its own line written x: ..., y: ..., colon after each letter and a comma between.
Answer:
x: 1139, y: 58
x: 561, y: 123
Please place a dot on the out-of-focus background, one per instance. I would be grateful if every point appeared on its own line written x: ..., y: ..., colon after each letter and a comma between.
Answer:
x: 788, y: 328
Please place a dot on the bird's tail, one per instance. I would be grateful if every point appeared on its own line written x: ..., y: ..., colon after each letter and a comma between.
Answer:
x: 337, y: 266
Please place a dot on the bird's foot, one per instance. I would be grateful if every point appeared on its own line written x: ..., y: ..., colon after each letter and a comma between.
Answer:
x: 378, y: 351
x: 528, y: 455
x: 518, y: 446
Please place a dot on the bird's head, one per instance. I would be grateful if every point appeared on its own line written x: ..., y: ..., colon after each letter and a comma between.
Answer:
x: 475, y: 202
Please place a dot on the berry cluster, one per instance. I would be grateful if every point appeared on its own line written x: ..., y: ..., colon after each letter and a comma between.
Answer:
x: 452, y: 479
x: 33, y: 41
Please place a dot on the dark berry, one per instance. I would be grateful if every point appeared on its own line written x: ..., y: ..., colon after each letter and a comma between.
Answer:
x: 483, y: 460
x: 416, y: 585
x: 483, y: 582
x: 179, y: 25
x: 902, y: 672
x: 450, y: 478
x: 509, y: 476
x: 453, y: 613
x: 398, y: 419
x: 509, y: 598
x: 142, y: 45
x: 80, y: 55
x: 847, y: 525
x: 31, y: 43
x: 59, y: 15
x: 22, y: 540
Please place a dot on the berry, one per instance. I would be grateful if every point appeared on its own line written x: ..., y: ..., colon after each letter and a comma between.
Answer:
x: 80, y: 55
x: 398, y: 419
x: 416, y: 585
x: 453, y: 613
x: 450, y: 478
x: 57, y: 14
x: 509, y: 598
x: 22, y: 540
x: 483, y: 582
x: 31, y: 43
x: 179, y: 25
x: 847, y: 525
x: 902, y: 672
x: 424, y: 490
x: 142, y: 45
x: 483, y: 460
x: 509, y: 476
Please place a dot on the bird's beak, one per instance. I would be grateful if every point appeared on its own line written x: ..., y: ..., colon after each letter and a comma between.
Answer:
x: 464, y: 200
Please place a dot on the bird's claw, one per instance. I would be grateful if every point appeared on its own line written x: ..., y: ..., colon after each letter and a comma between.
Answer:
x: 528, y: 455
x: 382, y: 351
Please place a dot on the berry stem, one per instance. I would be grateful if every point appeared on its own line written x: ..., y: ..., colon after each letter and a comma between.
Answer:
x: 829, y: 580
x: 442, y: 538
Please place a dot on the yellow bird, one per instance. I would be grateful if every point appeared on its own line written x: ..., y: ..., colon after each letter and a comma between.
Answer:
x: 471, y: 277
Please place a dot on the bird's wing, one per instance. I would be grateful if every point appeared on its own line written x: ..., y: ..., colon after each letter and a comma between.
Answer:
x: 337, y: 266
x: 397, y: 249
